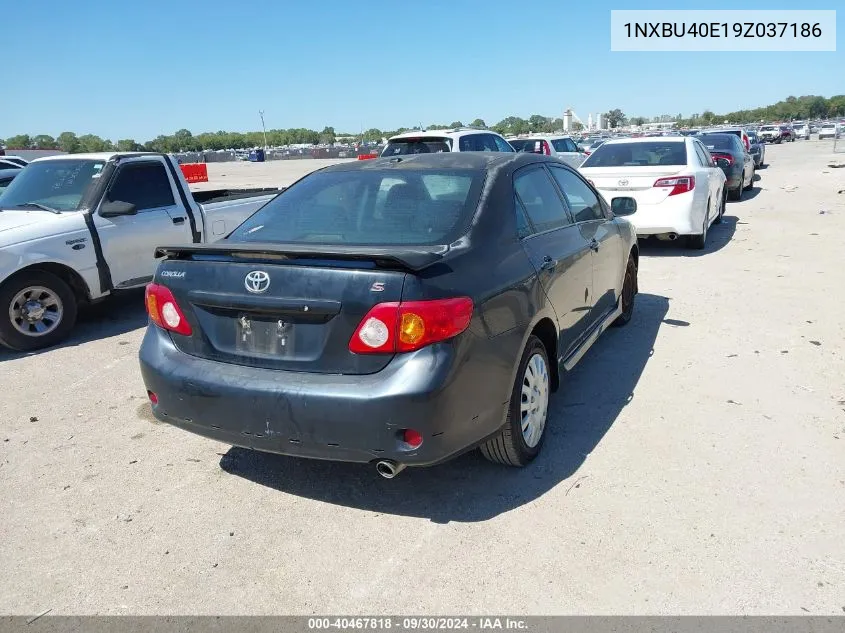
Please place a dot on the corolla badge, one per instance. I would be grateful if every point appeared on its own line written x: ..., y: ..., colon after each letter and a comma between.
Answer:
x: 623, y: 182
x: 257, y: 281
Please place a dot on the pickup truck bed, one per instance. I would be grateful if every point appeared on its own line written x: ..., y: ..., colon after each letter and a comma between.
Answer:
x: 223, y: 195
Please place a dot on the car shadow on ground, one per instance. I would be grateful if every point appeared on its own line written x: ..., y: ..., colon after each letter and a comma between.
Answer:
x: 469, y: 488
x: 718, y: 236
x: 750, y: 194
x: 116, y: 315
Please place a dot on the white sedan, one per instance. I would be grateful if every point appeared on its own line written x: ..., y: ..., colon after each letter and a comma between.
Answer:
x: 679, y: 189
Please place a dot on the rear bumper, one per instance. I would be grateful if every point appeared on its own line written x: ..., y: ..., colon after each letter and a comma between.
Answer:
x: 436, y: 391
x: 668, y: 216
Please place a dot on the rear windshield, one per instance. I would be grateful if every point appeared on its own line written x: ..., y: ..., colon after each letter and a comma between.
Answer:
x: 649, y: 153
x: 717, y: 141
x: 369, y: 207
x: 529, y: 145
x: 400, y: 147
x: 563, y: 144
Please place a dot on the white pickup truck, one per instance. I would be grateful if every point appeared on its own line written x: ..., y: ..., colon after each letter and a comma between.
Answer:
x: 76, y: 228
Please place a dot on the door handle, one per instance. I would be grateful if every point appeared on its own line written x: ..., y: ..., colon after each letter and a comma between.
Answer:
x: 594, y: 245
x: 178, y: 220
x: 548, y: 263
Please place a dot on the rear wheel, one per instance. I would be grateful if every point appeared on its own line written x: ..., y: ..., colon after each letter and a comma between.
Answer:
x: 37, y: 310
x: 629, y: 294
x: 520, y: 440
x: 736, y: 194
x: 750, y: 182
x: 722, y: 202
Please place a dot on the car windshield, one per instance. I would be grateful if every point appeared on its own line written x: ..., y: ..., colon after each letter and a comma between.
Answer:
x: 60, y: 184
x: 717, y: 141
x: 829, y: 127
x: 644, y: 154
x: 369, y: 207
x: 424, y: 145
x: 767, y: 128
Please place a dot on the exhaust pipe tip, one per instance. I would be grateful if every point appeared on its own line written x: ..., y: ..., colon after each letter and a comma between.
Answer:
x: 388, y: 468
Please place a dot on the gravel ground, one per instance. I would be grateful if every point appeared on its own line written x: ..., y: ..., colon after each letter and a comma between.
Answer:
x: 695, y: 462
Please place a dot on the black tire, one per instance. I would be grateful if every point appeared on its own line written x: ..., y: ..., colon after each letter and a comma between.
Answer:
x: 509, y: 446
x: 11, y: 336
x: 736, y: 194
x: 630, y: 288
x: 722, y: 202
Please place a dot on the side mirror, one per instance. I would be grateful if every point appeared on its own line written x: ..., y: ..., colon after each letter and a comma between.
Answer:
x: 113, y: 209
x: 623, y: 206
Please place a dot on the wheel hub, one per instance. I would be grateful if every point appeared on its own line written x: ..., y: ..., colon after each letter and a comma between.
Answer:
x: 33, y: 311
x: 36, y: 311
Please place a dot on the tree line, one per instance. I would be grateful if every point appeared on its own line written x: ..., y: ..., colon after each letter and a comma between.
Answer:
x: 792, y: 108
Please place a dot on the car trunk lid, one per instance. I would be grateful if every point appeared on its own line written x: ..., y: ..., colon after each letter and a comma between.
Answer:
x: 633, y: 181
x: 277, y: 308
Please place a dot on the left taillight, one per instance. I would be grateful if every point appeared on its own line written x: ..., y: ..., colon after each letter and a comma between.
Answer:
x: 164, y: 311
x: 406, y: 326
x: 679, y: 184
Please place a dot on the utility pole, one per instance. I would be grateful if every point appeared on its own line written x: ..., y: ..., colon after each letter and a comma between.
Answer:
x: 264, y: 129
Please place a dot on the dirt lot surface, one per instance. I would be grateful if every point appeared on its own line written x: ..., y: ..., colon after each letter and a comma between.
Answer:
x: 695, y: 462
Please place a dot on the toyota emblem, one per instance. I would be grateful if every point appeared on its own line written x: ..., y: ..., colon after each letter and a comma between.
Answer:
x: 623, y: 182
x: 257, y: 281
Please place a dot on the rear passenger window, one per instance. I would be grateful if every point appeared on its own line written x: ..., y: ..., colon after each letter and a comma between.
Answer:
x: 470, y: 143
x: 143, y: 184
x: 583, y: 203
x: 540, y: 199
x: 523, y: 226
x: 703, y: 155
x: 502, y: 144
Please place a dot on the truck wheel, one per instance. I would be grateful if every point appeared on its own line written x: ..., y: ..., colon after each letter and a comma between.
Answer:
x: 37, y: 310
x: 520, y: 440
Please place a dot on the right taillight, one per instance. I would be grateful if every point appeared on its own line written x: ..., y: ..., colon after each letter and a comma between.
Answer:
x: 726, y: 157
x: 164, y: 311
x: 679, y: 184
x: 409, y: 325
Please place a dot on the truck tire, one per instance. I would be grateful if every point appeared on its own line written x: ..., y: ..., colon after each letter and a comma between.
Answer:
x: 520, y: 440
x: 37, y: 310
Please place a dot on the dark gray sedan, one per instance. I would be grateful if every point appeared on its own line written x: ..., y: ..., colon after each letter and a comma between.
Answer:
x: 397, y: 311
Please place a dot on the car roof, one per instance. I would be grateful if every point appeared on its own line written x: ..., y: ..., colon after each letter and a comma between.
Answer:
x: 473, y: 161
x: 452, y: 133
x: 648, y: 139
x: 531, y: 137
x: 95, y: 156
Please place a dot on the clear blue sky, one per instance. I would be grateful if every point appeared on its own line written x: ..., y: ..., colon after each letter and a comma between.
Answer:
x: 137, y: 69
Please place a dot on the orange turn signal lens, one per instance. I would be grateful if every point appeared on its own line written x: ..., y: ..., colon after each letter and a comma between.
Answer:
x: 411, y: 328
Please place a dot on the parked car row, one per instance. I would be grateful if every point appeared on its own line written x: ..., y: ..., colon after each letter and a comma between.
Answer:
x: 454, y: 280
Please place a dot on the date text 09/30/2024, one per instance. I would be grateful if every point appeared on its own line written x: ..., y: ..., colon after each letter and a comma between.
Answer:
x: 415, y: 623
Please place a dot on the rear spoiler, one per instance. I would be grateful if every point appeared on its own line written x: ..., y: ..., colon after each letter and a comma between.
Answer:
x: 408, y: 258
